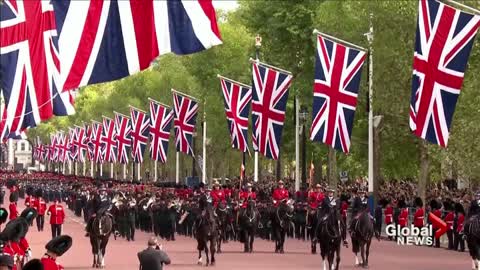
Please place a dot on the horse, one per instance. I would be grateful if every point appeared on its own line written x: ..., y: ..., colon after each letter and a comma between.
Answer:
x: 312, y: 217
x: 281, y: 223
x: 361, y: 233
x: 471, y: 230
x: 206, y: 231
x: 248, y: 221
x: 223, y: 221
x: 330, y: 230
x: 100, y: 231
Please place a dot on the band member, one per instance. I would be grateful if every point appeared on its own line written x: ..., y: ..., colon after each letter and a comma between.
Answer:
x: 55, y: 248
x: 13, y: 206
x: 280, y: 194
x: 57, y: 217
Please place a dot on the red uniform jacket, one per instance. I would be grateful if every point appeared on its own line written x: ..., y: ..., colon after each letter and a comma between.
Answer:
x: 17, y: 249
x: 228, y: 193
x: 344, y: 209
x: 388, y: 215
x: 418, y: 218
x: 245, y: 195
x: 315, y: 198
x: 461, y: 219
x: 437, y: 213
x: 50, y: 264
x: 7, y: 249
x: 57, y: 215
x: 403, y: 218
x: 278, y: 195
x: 449, y: 220
x: 24, y: 245
x: 13, y: 211
x: 217, y: 196
x: 27, y: 201
x: 40, y: 206
x: 33, y: 201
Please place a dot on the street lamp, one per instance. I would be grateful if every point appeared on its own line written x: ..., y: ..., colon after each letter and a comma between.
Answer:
x: 303, y: 115
x: 258, y: 44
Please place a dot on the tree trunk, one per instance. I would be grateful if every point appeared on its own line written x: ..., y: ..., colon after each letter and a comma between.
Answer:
x: 332, y: 168
x: 318, y: 174
x: 424, y: 170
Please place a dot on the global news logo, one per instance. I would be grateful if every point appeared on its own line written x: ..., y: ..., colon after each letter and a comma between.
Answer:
x: 412, y: 235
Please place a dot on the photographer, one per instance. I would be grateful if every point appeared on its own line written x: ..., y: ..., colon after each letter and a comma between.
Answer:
x: 153, y: 257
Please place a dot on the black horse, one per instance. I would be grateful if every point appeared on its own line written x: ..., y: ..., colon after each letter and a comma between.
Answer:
x: 361, y: 232
x: 248, y: 221
x: 312, y: 219
x: 206, y: 231
x: 100, y: 232
x: 223, y: 215
x: 471, y: 230
x: 330, y: 231
x: 281, y: 222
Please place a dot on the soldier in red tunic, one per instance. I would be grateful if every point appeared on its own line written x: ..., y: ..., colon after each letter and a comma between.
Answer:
x: 29, y: 214
x: 55, y: 248
x: 3, y: 216
x: 449, y: 220
x: 279, y: 194
x: 419, y: 216
x: 41, y: 207
x: 13, y: 206
x: 217, y: 194
x: 403, y: 217
x: 435, y: 208
x: 459, y: 242
x: 11, y: 235
x: 57, y: 217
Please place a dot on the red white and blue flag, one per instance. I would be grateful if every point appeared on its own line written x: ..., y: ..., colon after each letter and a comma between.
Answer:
x: 161, y: 118
x: 139, y: 133
x: 95, y: 142
x: 81, y: 143
x: 73, y: 152
x: 124, y: 141
x: 186, y: 110
x: 53, y: 150
x: 101, y: 41
x: 445, y: 37
x: 29, y: 64
x: 269, y: 102
x: 237, y: 98
x: 62, y: 146
x: 338, y: 71
x: 109, y: 140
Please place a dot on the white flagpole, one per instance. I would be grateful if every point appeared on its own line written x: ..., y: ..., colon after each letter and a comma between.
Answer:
x: 124, y: 171
x: 370, y: 112
x: 76, y: 167
x: 111, y: 170
x: 177, y: 170
x: 84, y: 167
x: 138, y: 171
x: 91, y: 168
x: 204, y: 162
x: 297, y: 145
x: 69, y: 167
x: 101, y: 169
x: 155, y: 171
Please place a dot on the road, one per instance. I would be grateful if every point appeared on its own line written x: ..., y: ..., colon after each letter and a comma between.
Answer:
x: 122, y: 255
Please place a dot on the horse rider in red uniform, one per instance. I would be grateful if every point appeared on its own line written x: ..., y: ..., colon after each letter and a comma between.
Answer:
x: 55, y: 248
x: 315, y: 199
x: 246, y: 195
x: 217, y: 194
x: 280, y: 194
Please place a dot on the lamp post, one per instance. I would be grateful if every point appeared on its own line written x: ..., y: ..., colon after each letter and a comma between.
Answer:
x: 303, y: 119
x: 194, y: 171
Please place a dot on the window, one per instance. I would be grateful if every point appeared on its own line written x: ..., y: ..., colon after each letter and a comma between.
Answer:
x: 22, y: 147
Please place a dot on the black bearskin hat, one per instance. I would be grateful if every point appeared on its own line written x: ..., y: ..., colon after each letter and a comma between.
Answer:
x: 434, y: 204
x: 418, y: 202
x: 13, y: 197
x: 3, y: 215
x: 14, y: 229
x: 59, y: 245
x: 459, y: 208
x: 402, y: 204
x: 29, y: 190
x: 447, y: 206
x: 29, y: 214
x: 39, y: 193
x: 34, y: 264
x: 11, y: 183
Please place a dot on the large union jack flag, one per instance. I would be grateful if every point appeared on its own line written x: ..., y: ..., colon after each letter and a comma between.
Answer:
x: 161, y: 122
x: 95, y: 142
x: 139, y: 133
x: 186, y: 110
x: 444, y: 40
x: 102, y: 41
x: 338, y: 71
x: 29, y: 65
x: 124, y: 141
x: 109, y: 140
x: 237, y: 99
x: 270, y: 94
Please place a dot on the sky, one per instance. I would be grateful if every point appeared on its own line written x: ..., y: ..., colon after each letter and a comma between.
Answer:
x: 225, y: 4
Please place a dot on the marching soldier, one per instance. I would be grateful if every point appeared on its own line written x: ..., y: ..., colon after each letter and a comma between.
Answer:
x: 13, y: 206
x: 403, y: 217
x: 418, y: 217
x: 459, y: 241
x: 57, y: 217
x: 132, y: 205
x: 41, y: 207
x: 449, y: 217
x: 435, y: 211
x: 388, y: 213
x: 55, y: 248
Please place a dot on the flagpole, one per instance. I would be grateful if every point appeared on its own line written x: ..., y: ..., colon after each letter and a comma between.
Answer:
x: 370, y: 113
x: 297, y: 145
x: 84, y: 167
x: 258, y: 44
x: 101, y: 170
x: 124, y: 171
x: 138, y: 171
x: 177, y: 170
x: 155, y: 171
x: 204, y: 161
x: 91, y: 168
x: 111, y: 170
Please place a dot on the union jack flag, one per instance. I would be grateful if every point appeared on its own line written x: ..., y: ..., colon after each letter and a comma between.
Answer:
x: 444, y: 40
x: 53, y: 150
x: 124, y: 129
x: 338, y: 71
x: 95, y: 142
x: 237, y: 99
x: 270, y: 95
x: 185, y: 119
x: 62, y: 147
x: 29, y: 65
x: 73, y: 152
x: 161, y: 117
x: 81, y: 143
x: 109, y: 140
x: 101, y: 41
x: 139, y: 133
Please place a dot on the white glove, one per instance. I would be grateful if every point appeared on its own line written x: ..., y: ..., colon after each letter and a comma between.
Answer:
x: 28, y: 255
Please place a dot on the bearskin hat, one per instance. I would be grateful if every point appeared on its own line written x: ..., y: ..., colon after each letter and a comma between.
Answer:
x: 39, y: 193
x: 3, y: 215
x: 401, y: 204
x: 344, y: 197
x: 15, y: 229
x: 383, y: 202
x: 25, y: 225
x: 11, y: 183
x: 59, y: 245
x: 418, y: 202
x: 447, y: 206
x: 29, y: 190
x: 459, y: 208
x: 34, y: 264
x: 13, y: 197
x: 434, y: 204
x: 7, y: 260
x: 29, y: 214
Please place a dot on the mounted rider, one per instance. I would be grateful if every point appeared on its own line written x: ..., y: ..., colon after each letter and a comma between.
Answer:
x: 280, y: 194
x: 101, y: 206
x: 474, y: 208
x: 315, y: 197
x: 217, y: 194
x: 359, y: 206
x: 246, y: 195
